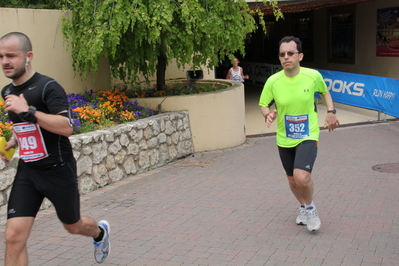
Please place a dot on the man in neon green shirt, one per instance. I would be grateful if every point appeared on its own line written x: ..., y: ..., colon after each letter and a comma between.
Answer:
x: 292, y: 91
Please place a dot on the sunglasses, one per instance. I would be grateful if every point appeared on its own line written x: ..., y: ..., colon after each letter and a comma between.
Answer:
x: 290, y: 53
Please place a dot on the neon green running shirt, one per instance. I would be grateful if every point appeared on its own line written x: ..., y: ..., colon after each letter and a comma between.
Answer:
x: 297, y: 118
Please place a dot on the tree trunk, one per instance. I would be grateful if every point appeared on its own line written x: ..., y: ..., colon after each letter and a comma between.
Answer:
x: 161, y: 70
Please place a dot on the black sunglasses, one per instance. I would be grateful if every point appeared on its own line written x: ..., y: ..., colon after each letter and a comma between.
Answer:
x: 290, y: 53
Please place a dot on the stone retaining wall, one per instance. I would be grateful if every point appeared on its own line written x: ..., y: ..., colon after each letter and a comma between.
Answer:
x: 106, y: 156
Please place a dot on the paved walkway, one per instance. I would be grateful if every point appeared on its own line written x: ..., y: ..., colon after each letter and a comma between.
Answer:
x: 234, y: 207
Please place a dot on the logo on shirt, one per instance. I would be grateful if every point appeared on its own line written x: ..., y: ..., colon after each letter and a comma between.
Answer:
x: 31, y: 88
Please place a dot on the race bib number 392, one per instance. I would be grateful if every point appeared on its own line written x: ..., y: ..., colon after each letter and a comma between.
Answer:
x: 30, y: 142
x: 297, y: 126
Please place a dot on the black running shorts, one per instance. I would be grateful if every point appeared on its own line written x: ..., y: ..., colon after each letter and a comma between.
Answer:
x: 58, y: 184
x: 301, y: 157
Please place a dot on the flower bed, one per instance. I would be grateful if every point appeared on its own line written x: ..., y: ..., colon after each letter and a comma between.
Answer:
x: 175, y: 88
x: 103, y: 109
x: 91, y: 111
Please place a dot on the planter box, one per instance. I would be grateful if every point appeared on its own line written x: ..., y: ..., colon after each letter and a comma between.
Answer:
x: 217, y: 119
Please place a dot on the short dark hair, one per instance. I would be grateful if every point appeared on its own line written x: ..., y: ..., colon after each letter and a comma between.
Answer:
x: 290, y: 39
x: 24, y: 42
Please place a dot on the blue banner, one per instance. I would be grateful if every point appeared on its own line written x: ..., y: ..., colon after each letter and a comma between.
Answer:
x: 371, y: 92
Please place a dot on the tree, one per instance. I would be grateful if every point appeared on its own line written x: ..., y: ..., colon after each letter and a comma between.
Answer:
x: 143, y: 36
x: 45, y: 4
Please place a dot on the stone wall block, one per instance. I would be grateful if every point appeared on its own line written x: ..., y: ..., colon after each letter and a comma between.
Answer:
x: 129, y: 166
x: 100, y: 152
x: 163, y: 153
x: 142, y: 123
x: 152, y: 143
x: 84, y: 166
x: 124, y: 140
x: 116, y: 174
x: 45, y: 204
x: 186, y: 122
x: 100, y: 175
x: 76, y: 154
x: 86, y: 184
x: 109, y: 136
x: 147, y: 133
x: 161, y: 138
x: 144, y: 160
x: 172, y: 152
x: 87, y: 150
x: 186, y: 135
x: 161, y: 122
x: 133, y: 149
x: 120, y: 157
x: 133, y: 135
x: 156, y: 129
x: 98, y: 135
x: 3, y: 214
x: 169, y: 128
x: 154, y: 157
x: 115, y: 147
x: 143, y: 145
x: 7, y: 177
x: 127, y: 127
x: 169, y: 141
x: 3, y: 200
x: 180, y: 125
x: 75, y: 142
x: 175, y: 138
x: 188, y: 147
x: 110, y: 163
x: 86, y: 139
x: 136, y: 135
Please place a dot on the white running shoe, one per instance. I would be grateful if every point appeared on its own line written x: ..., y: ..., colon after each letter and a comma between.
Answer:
x: 302, y: 217
x: 313, y: 219
x: 103, y: 247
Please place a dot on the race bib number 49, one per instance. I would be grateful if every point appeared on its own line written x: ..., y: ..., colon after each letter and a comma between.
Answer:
x: 30, y: 142
x: 296, y: 126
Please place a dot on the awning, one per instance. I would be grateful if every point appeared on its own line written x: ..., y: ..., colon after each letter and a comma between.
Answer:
x: 297, y: 6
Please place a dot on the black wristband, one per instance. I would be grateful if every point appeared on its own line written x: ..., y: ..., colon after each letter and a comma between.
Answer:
x: 29, y: 116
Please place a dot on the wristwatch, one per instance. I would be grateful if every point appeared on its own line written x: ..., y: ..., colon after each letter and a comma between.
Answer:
x: 29, y: 116
x: 332, y: 111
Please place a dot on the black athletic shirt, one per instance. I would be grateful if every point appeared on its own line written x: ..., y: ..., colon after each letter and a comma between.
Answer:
x: 49, y: 97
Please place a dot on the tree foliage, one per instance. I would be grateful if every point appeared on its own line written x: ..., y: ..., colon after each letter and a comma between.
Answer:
x: 34, y: 4
x: 142, y: 36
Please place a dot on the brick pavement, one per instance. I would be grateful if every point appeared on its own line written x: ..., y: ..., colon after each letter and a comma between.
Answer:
x: 234, y: 207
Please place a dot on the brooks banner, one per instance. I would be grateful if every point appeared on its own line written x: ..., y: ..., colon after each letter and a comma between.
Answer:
x: 371, y: 92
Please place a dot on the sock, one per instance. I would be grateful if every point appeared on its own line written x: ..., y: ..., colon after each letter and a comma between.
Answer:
x: 100, y: 236
x: 309, y: 207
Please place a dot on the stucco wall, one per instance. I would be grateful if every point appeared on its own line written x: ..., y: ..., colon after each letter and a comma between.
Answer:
x: 51, y: 56
x: 217, y: 118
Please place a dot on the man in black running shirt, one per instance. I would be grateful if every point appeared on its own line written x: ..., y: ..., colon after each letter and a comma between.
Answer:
x: 38, y: 108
